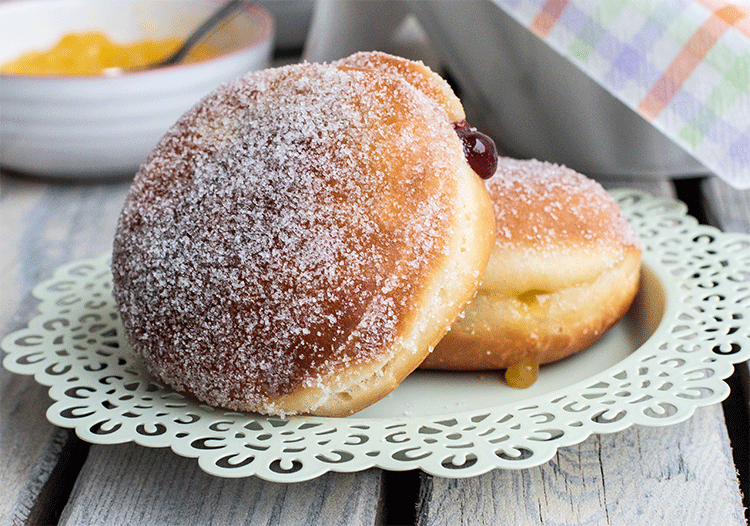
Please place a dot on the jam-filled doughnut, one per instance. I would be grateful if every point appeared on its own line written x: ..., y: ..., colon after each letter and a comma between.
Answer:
x: 565, y: 268
x: 300, y: 239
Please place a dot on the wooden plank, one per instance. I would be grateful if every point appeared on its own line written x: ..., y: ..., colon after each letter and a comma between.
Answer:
x: 729, y: 209
x: 42, y: 226
x: 681, y: 474
x: 130, y: 484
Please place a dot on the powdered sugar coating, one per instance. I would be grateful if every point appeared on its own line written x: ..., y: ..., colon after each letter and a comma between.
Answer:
x: 280, y: 230
x: 541, y: 204
x: 414, y: 72
x: 564, y: 269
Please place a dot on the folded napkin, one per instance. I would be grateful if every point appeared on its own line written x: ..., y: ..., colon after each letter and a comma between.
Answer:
x: 684, y: 65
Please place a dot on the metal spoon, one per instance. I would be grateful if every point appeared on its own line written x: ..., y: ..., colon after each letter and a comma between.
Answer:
x: 221, y: 14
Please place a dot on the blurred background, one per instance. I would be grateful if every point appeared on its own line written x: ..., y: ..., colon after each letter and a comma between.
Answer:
x: 518, y: 85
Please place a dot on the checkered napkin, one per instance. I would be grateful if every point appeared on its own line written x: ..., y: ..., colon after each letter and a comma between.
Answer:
x: 684, y: 65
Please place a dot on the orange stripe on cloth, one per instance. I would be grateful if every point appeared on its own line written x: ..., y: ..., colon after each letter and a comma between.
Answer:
x: 738, y: 15
x: 691, y: 54
x: 547, y: 16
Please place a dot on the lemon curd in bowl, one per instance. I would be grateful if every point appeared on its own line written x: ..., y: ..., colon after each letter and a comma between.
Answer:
x: 94, y: 126
x: 94, y: 52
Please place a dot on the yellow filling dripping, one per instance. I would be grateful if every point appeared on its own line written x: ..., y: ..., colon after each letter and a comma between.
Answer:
x: 522, y: 374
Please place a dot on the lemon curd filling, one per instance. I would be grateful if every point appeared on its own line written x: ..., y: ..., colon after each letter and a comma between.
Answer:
x: 523, y: 374
x: 533, y: 299
x: 92, y: 52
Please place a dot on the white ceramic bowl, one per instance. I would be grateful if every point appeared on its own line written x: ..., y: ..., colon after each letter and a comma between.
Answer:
x: 101, y: 127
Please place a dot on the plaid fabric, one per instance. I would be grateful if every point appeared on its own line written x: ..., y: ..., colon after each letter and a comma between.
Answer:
x: 684, y: 65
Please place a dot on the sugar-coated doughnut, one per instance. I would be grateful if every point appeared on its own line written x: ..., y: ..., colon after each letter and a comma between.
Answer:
x: 300, y: 239
x: 565, y: 268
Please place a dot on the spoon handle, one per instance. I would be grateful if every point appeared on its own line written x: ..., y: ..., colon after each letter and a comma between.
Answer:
x: 220, y: 14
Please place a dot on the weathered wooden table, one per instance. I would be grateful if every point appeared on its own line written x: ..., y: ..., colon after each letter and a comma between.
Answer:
x: 681, y: 474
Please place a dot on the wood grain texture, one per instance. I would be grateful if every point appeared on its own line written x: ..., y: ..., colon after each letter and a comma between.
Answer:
x: 42, y: 226
x: 46, y: 224
x: 681, y: 474
x: 130, y: 484
x: 729, y: 209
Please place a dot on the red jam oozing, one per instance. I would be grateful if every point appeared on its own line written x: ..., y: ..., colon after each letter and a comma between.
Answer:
x: 479, y: 149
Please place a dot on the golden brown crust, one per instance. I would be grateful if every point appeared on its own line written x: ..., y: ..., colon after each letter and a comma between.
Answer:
x: 415, y: 73
x: 286, y: 246
x: 498, y: 331
x: 446, y: 291
x: 564, y: 269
